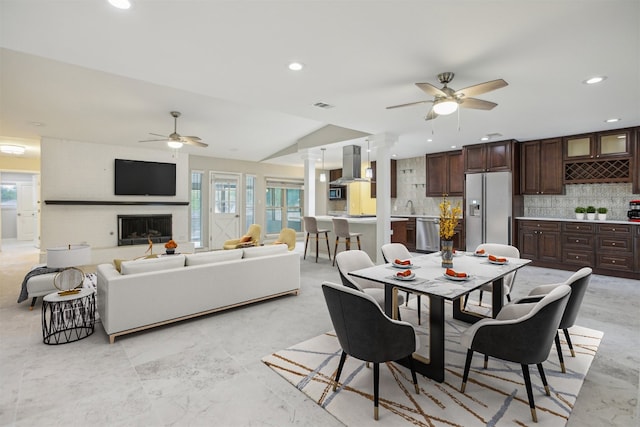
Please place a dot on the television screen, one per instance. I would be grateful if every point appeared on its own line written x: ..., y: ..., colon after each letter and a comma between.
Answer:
x: 139, y: 178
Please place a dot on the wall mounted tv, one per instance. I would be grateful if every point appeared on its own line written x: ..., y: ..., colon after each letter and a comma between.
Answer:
x: 140, y: 178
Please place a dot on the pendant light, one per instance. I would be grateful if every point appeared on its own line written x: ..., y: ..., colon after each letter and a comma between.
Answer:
x: 368, y: 172
x: 323, y: 175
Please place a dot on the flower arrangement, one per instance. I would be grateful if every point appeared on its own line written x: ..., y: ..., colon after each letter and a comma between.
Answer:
x: 171, y: 244
x: 448, y: 218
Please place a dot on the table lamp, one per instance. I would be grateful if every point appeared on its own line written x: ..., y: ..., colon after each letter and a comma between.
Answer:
x: 70, y: 279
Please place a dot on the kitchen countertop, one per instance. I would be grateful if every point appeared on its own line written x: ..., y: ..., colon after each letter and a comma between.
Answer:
x: 608, y: 221
x: 358, y: 219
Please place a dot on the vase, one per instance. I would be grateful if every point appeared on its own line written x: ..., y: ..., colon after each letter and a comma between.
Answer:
x: 170, y: 251
x: 579, y: 216
x: 602, y: 217
x: 591, y: 216
x: 446, y: 248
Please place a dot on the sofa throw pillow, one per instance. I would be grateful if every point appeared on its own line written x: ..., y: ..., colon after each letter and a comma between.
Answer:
x: 259, y: 251
x: 213, y: 257
x: 154, y: 264
x: 245, y: 239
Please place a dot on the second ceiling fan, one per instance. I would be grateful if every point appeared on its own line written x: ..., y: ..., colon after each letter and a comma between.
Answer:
x: 447, y: 100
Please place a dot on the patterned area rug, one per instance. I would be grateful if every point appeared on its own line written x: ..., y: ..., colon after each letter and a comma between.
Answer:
x: 494, y: 397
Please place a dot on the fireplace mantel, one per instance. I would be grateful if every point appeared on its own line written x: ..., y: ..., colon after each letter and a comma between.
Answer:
x: 113, y: 202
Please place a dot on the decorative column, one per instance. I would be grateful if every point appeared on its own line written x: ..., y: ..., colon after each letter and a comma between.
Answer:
x: 383, y: 144
x: 310, y: 183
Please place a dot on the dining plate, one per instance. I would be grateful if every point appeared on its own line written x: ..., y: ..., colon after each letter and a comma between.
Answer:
x: 407, y: 278
x: 499, y: 262
x: 484, y: 255
x: 456, y: 279
x: 403, y: 266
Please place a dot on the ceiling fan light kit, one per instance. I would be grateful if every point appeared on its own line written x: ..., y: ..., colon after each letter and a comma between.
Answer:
x: 445, y: 107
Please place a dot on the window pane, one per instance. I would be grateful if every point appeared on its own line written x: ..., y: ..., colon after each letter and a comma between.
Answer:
x: 226, y: 196
x: 250, y: 211
x: 196, y: 208
x: 9, y: 197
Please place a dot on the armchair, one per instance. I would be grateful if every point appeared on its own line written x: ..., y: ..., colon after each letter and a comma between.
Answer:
x: 366, y: 333
x: 288, y: 237
x: 521, y: 333
x: 251, y: 236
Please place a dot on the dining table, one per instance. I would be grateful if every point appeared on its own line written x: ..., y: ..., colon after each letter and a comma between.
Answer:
x: 429, y: 278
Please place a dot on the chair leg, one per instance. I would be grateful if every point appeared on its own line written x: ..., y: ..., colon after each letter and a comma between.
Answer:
x: 543, y: 377
x: 467, y: 366
x: 466, y: 299
x: 480, y: 300
x: 413, y: 374
x: 568, y: 337
x: 317, y: 241
x: 347, y: 243
x: 33, y: 303
x: 419, y: 306
x: 358, y: 239
x: 335, y: 250
x: 486, y: 361
x: 560, y: 358
x: 376, y: 383
x: 306, y: 243
x: 343, y: 357
x: 326, y: 239
x: 527, y: 383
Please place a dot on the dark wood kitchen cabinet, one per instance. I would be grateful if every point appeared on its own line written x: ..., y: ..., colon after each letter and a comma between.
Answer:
x: 539, y: 240
x: 614, y: 247
x: 490, y: 157
x: 600, y: 145
x: 636, y: 166
x: 445, y: 174
x: 411, y: 234
x: 399, y: 232
x: 578, y: 244
x: 394, y: 175
x: 541, y: 168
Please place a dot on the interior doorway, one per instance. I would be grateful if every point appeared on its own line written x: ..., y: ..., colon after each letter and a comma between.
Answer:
x: 19, y: 209
x: 225, y: 208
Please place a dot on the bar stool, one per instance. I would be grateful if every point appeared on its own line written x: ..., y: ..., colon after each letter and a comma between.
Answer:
x: 341, y: 230
x: 311, y: 226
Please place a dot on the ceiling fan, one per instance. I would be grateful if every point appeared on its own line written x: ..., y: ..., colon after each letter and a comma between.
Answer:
x: 175, y: 140
x: 447, y: 100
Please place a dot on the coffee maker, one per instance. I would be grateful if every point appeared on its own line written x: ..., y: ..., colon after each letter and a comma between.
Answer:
x: 634, y: 211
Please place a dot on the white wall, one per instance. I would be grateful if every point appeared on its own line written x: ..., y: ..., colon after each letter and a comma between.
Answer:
x: 72, y: 170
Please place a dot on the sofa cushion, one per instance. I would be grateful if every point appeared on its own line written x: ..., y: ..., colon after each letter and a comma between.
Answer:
x: 213, y: 256
x: 259, y: 251
x: 153, y: 264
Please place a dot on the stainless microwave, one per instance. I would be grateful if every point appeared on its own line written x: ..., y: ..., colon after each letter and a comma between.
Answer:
x: 335, y: 193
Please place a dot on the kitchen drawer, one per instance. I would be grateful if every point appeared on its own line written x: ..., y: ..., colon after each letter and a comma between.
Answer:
x: 614, y: 228
x: 584, y: 241
x: 614, y: 262
x: 577, y: 257
x: 541, y: 225
x: 578, y: 227
x: 614, y: 243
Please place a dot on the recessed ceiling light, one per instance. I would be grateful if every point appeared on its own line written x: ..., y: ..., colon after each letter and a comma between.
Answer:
x: 595, y: 79
x: 36, y: 124
x: 120, y: 4
x: 429, y: 140
x: 17, y: 150
x: 484, y: 138
x: 296, y: 66
x: 453, y: 146
x: 612, y: 120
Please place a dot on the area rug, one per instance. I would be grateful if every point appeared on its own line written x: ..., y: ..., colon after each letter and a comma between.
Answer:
x: 494, y: 397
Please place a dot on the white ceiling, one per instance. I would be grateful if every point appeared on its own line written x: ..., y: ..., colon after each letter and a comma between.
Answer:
x: 89, y: 72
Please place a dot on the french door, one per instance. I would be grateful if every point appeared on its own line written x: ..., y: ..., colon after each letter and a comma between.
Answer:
x: 225, y: 208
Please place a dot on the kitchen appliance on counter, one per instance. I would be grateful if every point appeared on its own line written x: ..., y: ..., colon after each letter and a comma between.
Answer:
x: 336, y: 193
x: 488, y: 208
x: 634, y: 211
x: 427, y: 235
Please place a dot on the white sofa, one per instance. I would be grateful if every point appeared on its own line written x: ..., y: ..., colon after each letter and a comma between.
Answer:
x: 154, y: 292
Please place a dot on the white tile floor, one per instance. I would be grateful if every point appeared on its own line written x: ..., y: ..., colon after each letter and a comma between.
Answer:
x: 207, y: 371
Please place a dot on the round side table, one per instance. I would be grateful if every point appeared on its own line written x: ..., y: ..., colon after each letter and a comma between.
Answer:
x: 68, y: 318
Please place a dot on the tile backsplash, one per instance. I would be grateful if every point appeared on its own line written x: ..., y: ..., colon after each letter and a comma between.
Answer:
x: 615, y: 197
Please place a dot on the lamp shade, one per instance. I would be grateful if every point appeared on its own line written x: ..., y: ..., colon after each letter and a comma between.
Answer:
x: 445, y: 107
x: 68, y: 256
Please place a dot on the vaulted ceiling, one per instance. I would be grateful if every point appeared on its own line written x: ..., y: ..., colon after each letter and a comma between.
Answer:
x: 83, y: 70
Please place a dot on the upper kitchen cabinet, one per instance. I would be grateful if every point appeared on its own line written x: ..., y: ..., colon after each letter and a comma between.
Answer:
x: 599, y: 145
x: 393, y: 173
x: 541, y: 167
x: 636, y: 167
x: 445, y: 174
x: 491, y: 157
x: 335, y: 174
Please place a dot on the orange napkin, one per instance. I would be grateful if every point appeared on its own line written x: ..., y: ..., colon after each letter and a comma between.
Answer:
x: 451, y: 272
x: 480, y: 251
x: 497, y: 259
x: 405, y: 273
x: 401, y: 262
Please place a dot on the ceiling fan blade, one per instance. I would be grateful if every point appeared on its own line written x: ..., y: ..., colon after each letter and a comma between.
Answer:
x: 481, y: 88
x: 477, y: 104
x: 193, y: 140
x: 153, y: 140
x: 407, y: 105
x: 431, y: 115
x: 157, y: 134
x: 430, y: 89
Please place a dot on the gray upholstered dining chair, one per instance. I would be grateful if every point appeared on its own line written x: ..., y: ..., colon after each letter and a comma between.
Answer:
x: 355, y: 260
x: 521, y: 333
x: 311, y: 227
x: 341, y: 230
x: 578, y: 283
x: 366, y: 333
x: 501, y: 250
x: 393, y: 251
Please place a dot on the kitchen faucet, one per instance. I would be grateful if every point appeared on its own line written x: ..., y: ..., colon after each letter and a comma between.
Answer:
x: 412, y: 211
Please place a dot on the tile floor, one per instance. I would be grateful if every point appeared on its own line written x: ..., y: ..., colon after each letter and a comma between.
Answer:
x: 207, y: 371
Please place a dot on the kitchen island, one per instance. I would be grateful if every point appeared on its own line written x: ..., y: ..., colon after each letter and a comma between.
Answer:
x: 360, y: 224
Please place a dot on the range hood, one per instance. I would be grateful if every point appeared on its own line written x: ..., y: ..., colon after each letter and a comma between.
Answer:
x: 351, y: 166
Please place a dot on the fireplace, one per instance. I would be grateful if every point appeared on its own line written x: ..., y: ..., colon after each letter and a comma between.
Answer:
x: 137, y: 229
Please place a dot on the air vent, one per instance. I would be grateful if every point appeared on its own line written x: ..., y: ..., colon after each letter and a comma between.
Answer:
x: 323, y: 105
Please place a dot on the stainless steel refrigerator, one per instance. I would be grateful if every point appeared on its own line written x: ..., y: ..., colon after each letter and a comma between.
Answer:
x: 488, y: 212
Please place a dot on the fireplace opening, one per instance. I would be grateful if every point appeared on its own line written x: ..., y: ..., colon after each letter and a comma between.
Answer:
x: 138, y: 229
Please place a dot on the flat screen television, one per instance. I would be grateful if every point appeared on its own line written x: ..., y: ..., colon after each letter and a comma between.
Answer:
x: 140, y: 178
